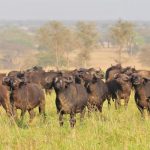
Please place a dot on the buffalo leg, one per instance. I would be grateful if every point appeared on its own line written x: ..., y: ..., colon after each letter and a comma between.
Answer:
x: 82, y: 114
x: 109, y: 101
x: 141, y: 111
x: 148, y: 110
x: 89, y: 106
x: 22, y: 114
x: 117, y: 103
x: 139, y: 107
x: 72, y: 120
x: 61, y: 121
x: 32, y: 115
x: 126, y: 102
x: 7, y: 108
x: 100, y: 108
x: 42, y: 109
x: 14, y: 111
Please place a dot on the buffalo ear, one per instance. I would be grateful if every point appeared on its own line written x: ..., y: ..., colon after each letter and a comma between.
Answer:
x: 146, y: 80
x: 6, y: 81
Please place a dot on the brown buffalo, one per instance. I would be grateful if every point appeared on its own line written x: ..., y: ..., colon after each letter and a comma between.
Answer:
x: 142, y: 92
x: 4, y: 96
x: 123, y: 89
x: 25, y: 96
x: 96, y: 88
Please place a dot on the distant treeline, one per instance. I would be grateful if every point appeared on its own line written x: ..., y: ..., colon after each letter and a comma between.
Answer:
x: 24, y: 44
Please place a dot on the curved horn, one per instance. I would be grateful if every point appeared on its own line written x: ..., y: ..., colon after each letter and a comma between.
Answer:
x: 116, y: 75
x: 47, y: 79
x: 147, y: 78
x: 69, y: 79
x: 5, y: 80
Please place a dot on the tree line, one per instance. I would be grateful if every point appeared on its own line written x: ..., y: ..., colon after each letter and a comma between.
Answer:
x: 59, y: 45
x: 57, y: 41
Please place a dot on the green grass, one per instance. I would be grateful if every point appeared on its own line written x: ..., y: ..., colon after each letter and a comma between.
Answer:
x: 120, y: 130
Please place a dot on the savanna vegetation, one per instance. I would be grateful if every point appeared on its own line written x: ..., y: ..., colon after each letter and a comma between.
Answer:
x: 114, y: 130
x: 58, y: 45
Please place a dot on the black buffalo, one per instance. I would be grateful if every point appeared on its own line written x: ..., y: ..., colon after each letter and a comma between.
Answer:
x: 71, y: 98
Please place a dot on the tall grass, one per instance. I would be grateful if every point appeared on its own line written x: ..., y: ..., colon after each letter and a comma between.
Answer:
x: 117, y: 129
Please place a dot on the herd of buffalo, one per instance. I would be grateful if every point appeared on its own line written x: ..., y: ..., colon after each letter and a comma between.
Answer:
x: 75, y: 90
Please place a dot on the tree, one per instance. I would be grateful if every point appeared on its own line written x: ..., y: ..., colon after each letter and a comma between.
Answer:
x: 123, y: 34
x: 55, y: 38
x: 69, y: 44
x: 88, y: 37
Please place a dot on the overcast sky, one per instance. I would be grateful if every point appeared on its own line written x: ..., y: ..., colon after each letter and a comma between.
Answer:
x: 75, y: 9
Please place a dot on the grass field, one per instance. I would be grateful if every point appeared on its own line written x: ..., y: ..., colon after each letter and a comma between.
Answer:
x: 120, y: 130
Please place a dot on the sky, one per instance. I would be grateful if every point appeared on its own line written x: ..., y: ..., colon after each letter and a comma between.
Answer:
x: 75, y: 9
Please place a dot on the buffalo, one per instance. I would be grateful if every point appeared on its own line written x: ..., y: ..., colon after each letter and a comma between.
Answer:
x: 110, y: 72
x: 96, y: 88
x: 121, y: 89
x: 4, y: 97
x: 71, y: 98
x: 142, y: 92
x: 25, y: 96
x: 36, y: 75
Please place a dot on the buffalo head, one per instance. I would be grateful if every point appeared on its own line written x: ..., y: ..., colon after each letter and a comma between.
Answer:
x: 139, y: 80
x: 122, y: 78
x: 13, y: 82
